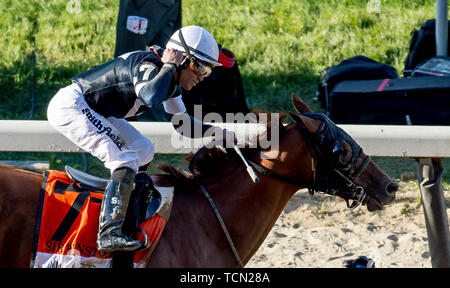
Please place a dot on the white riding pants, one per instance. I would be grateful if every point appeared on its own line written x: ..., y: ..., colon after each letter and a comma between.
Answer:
x: 114, y: 141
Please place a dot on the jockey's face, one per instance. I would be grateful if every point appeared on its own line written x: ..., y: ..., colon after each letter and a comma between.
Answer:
x: 189, y: 78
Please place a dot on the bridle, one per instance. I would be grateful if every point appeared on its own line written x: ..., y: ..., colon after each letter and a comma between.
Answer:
x: 319, y: 142
x: 327, y: 173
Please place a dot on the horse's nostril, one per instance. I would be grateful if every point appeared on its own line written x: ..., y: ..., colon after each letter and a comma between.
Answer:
x: 391, y: 188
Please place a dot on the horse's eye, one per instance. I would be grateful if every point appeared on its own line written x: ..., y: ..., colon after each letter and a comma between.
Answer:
x: 341, y: 155
x: 338, y: 150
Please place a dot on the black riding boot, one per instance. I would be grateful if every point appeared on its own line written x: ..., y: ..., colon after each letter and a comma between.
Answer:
x: 112, y: 215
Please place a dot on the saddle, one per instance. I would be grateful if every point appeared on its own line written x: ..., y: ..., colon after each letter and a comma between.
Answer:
x: 144, y: 201
x: 67, y: 223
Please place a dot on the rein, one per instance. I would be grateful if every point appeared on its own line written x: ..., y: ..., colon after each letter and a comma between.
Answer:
x: 222, y: 224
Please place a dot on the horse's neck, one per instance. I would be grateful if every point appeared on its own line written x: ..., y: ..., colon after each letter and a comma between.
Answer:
x: 251, y: 209
x: 194, y: 238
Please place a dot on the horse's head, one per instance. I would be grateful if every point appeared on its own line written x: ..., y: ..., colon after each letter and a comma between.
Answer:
x: 341, y: 168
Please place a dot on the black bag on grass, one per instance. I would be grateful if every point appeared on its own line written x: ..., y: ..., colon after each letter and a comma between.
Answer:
x: 422, y: 45
x: 414, y: 100
x: 355, y: 68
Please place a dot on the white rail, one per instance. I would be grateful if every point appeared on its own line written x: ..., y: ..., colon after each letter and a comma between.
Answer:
x: 376, y: 140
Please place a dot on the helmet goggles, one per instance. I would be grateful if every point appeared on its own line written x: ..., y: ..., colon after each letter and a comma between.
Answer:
x: 200, y: 68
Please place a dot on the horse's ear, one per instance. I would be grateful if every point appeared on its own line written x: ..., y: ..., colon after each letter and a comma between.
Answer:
x: 306, y: 122
x: 299, y: 105
x: 297, y: 118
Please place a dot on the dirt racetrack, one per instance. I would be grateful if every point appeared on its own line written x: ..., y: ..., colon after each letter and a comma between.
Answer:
x: 319, y: 232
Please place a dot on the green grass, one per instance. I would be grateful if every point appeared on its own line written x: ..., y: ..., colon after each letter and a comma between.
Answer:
x: 282, y: 46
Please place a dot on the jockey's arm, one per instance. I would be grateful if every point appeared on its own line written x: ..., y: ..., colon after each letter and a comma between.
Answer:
x: 189, y: 126
x: 184, y: 123
x: 154, y: 86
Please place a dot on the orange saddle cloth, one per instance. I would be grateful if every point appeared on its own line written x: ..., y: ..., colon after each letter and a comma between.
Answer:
x: 67, y: 222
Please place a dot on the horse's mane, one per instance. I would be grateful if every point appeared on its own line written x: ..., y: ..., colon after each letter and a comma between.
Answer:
x: 214, y: 162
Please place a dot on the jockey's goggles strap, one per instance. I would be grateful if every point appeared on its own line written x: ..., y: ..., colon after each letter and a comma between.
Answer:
x: 183, y: 43
x: 188, y: 49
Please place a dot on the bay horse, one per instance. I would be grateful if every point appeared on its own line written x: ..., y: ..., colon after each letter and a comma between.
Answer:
x: 193, y: 236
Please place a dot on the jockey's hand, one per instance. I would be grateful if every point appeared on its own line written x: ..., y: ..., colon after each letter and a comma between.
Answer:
x: 172, y: 56
x: 224, y: 137
x: 230, y: 138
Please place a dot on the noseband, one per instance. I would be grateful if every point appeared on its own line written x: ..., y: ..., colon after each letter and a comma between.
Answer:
x: 332, y: 176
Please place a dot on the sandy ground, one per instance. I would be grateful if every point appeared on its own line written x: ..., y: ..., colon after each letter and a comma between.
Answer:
x: 318, y: 231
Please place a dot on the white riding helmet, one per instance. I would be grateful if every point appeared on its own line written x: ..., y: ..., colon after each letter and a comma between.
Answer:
x: 201, y: 43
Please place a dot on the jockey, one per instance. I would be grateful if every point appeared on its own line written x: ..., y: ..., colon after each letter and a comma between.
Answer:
x: 91, y: 113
